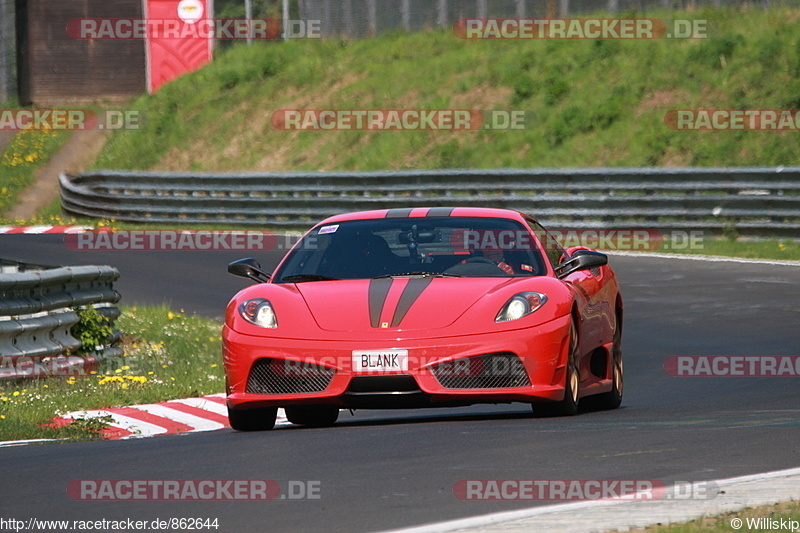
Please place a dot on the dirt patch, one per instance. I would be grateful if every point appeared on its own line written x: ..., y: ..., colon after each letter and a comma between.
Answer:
x: 5, y: 138
x: 661, y: 100
x: 81, y: 150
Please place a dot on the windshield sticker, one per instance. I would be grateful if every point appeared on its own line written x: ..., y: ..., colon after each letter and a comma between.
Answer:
x: 328, y: 229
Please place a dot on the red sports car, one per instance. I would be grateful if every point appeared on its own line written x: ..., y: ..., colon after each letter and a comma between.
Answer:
x: 423, y: 307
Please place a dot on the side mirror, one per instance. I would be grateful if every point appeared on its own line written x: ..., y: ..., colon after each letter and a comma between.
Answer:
x: 581, y: 260
x: 249, y: 268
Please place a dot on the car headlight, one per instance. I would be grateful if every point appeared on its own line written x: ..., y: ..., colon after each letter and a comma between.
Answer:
x: 259, y: 312
x: 521, y: 305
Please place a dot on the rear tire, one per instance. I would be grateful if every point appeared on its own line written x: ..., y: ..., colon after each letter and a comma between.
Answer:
x: 572, y: 383
x: 260, y: 419
x: 312, y: 415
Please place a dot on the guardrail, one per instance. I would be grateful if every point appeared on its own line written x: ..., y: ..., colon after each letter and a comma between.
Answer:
x: 37, y: 313
x: 762, y: 202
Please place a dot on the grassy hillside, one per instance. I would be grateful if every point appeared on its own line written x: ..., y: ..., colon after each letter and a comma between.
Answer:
x: 596, y: 103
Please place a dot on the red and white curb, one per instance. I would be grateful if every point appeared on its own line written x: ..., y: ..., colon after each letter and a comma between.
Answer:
x: 189, y: 415
x: 39, y: 230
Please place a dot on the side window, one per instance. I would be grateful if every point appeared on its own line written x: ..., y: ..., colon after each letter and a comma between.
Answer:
x: 555, y: 253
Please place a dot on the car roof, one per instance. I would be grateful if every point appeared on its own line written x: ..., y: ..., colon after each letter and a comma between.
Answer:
x: 421, y: 212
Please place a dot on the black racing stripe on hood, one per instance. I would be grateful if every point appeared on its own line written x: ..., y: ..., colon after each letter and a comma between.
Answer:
x: 411, y: 292
x: 440, y: 212
x: 399, y: 213
x: 378, y: 290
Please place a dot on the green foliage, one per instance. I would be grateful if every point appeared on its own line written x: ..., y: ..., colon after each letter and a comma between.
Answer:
x: 92, y: 330
x: 94, y: 424
x: 167, y: 355
x: 596, y: 103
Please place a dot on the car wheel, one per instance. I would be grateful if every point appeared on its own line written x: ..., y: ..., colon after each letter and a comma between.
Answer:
x: 260, y: 419
x: 312, y: 415
x: 572, y: 383
x: 613, y: 398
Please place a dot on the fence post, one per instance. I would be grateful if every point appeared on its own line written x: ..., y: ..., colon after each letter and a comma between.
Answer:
x: 348, y: 18
x: 520, y: 8
x: 441, y: 19
x: 327, y: 16
x: 613, y: 5
x: 482, y: 10
x: 5, y: 62
x: 372, y: 15
x: 405, y: 14
x: 563, y: 9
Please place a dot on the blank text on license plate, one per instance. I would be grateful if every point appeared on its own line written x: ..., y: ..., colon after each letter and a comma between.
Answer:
x: 380, y: 360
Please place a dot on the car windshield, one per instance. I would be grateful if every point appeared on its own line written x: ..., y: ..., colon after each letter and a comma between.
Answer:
x: 430, y: 246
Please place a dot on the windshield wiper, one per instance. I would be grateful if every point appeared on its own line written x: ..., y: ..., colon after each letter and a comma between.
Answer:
x: 419, y: 273
x: 299, y: 278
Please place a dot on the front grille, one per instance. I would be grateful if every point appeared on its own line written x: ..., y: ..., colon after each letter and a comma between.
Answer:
x: 281, y: 376
x: 393, y: 383
x: 489, y: 371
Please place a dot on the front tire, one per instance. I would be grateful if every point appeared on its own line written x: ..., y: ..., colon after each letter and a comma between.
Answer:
x: 260, y: 419
x: 317, y: 416
x: 572, y: 383
x: 613, y: 398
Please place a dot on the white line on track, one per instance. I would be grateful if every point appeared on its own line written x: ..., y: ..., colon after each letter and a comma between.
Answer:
x: 10, y: 443
x: 589, y: 516
x: 706, y: 258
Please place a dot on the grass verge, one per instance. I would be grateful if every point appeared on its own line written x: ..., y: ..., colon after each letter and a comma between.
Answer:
x: 787, y: 511
x: 785, y: 250
x: 168, y: 355
x: 590, y: 103
x: 27, y: 152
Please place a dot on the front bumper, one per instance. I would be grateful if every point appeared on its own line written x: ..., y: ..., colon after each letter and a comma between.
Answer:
x: 541, y: 350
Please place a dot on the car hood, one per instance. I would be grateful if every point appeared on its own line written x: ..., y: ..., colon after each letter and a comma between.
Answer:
x: 405, y: 304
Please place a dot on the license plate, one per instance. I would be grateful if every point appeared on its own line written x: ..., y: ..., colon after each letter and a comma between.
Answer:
x: 380, y: 360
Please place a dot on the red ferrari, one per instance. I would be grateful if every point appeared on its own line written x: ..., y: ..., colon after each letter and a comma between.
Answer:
x: 423, y: 307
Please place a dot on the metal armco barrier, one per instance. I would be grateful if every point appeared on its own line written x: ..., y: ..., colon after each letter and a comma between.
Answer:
x: 761, y: 202
x: 37, y: 313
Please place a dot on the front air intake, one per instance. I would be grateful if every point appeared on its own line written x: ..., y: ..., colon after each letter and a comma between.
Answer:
x: 282, y: 376
x: 490, y: 371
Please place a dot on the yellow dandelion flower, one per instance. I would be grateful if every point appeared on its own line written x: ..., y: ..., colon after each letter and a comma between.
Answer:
x: 2, y: 417
x: 15, y: 393
x: 214, y: 365
x: 173, y: 379
x: 118, y: 370
x: 126, y: 367
x: 170, y: 315
x: 149, y: 373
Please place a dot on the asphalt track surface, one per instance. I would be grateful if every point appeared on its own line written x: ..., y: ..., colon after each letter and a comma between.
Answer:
x: 388, y: 469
